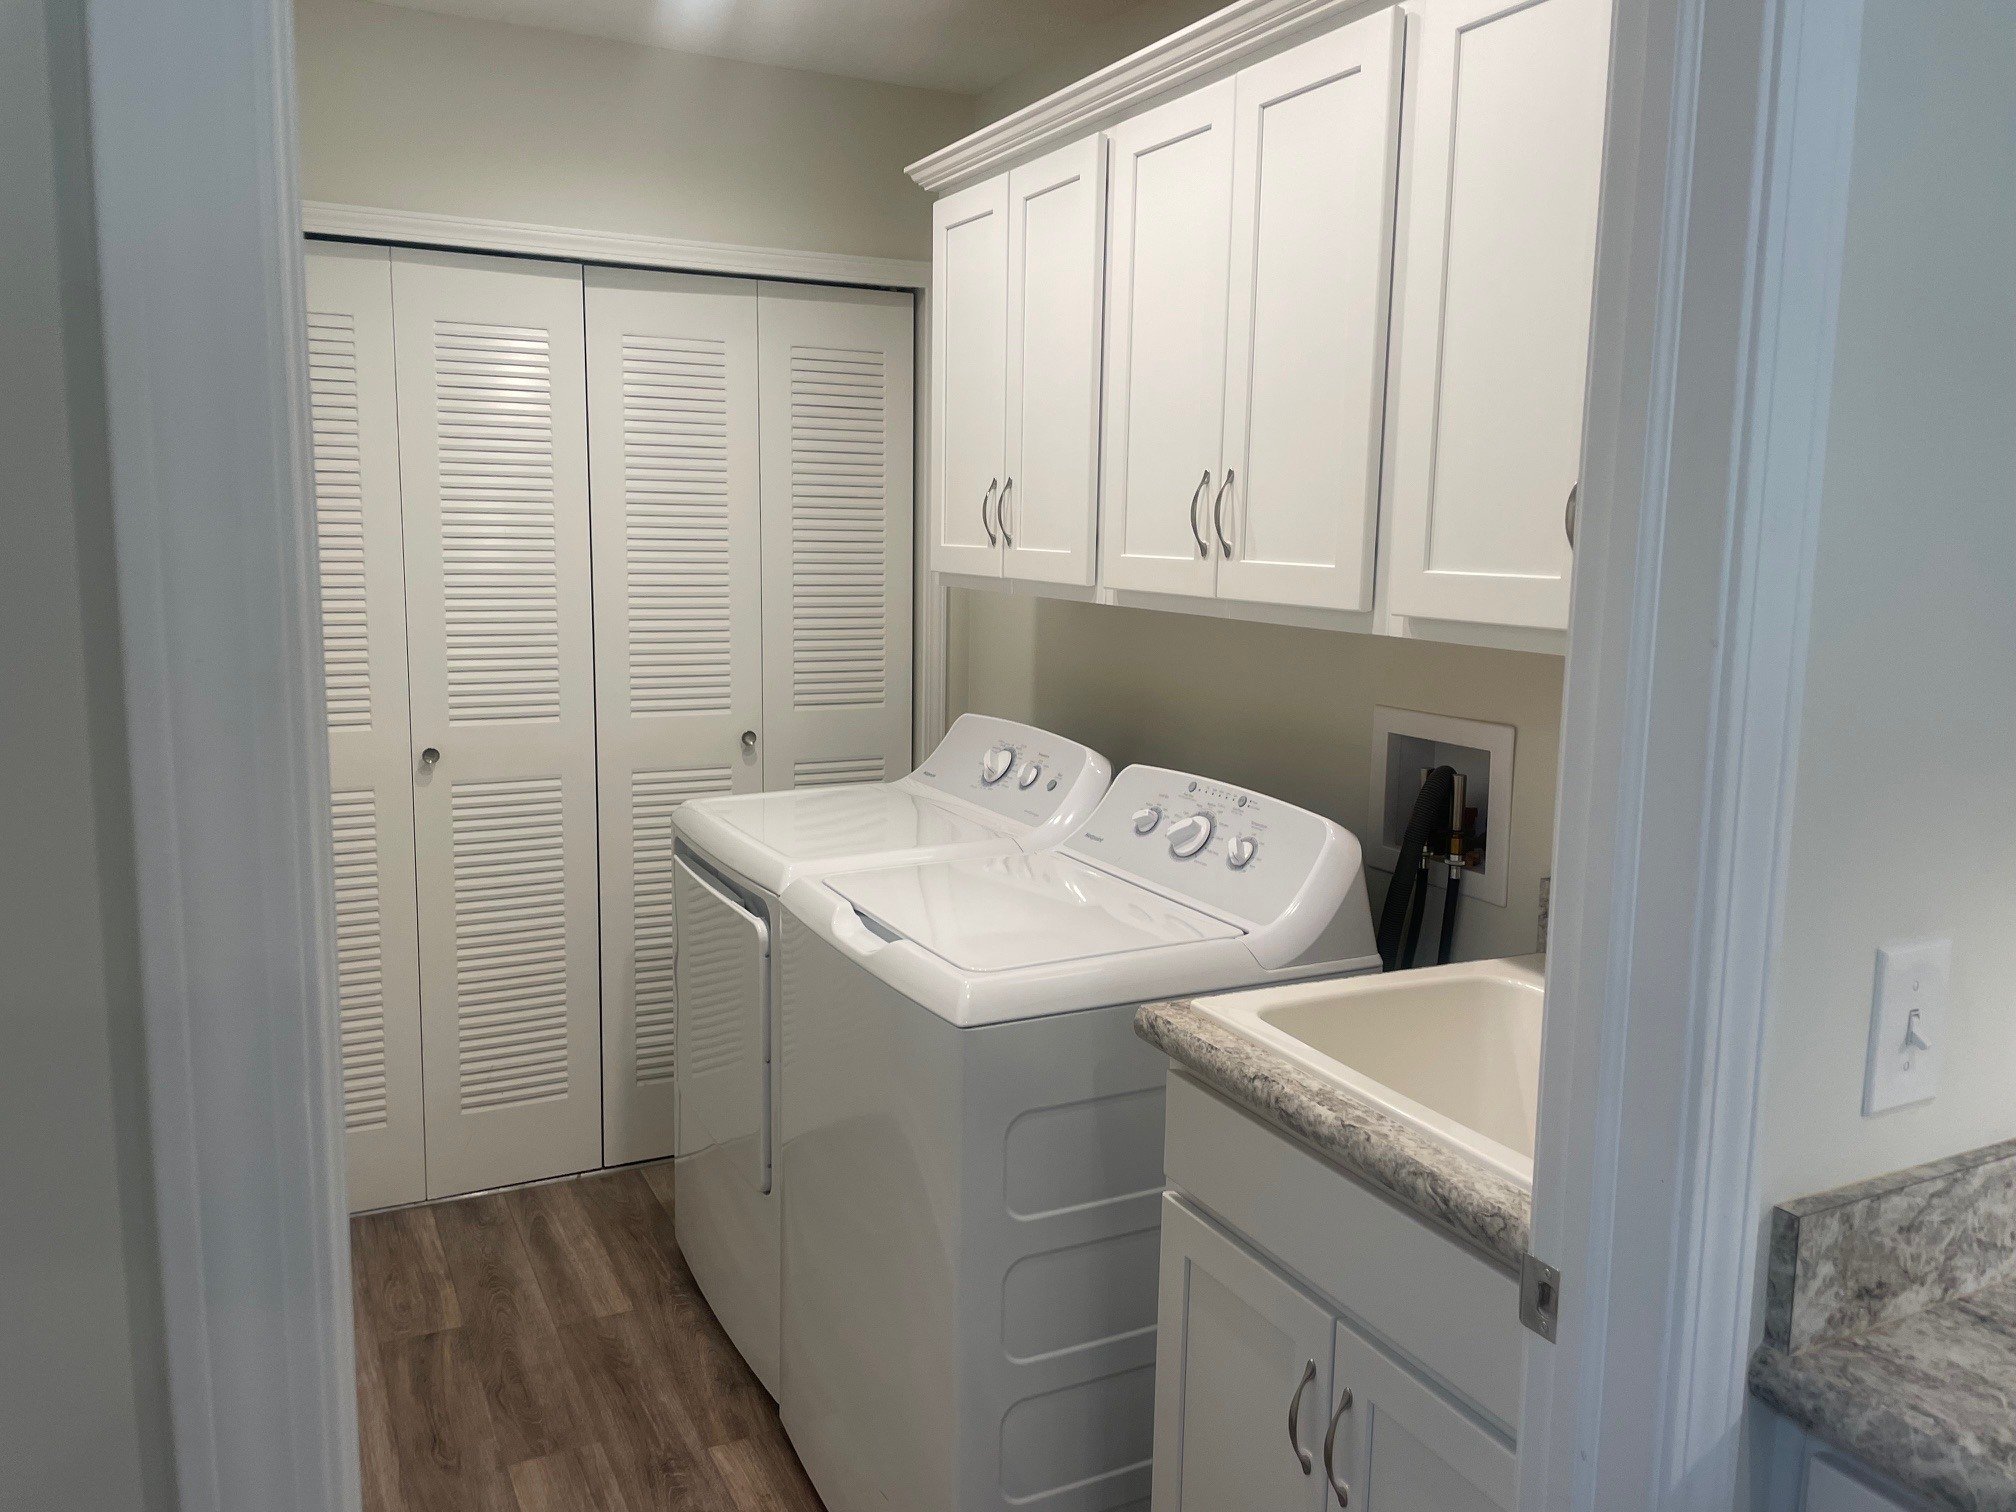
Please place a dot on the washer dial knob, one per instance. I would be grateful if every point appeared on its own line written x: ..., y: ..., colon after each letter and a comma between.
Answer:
x: 1029, y: 775
x: 1189, y: 836
x: 1240, y: 850
x: 1145, y: 819
x: 996, y: 764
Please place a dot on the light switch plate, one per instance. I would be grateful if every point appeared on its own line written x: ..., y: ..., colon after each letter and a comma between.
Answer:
x: 1907, y: 1024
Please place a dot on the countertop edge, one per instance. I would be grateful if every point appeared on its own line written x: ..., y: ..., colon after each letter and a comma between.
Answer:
x: 1478, y: 1206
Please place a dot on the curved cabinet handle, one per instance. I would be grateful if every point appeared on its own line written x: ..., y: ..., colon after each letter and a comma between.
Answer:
x: 1568, y: 515
x: 1339, y: 1488
x: 1218, y: 514
x: 1196, y: 532
x: 985, y: 523
x: 1295, y: 1418
x: 1001, y: 513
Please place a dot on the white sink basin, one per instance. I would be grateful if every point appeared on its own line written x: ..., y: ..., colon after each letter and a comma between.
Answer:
x: 1452, y: 1050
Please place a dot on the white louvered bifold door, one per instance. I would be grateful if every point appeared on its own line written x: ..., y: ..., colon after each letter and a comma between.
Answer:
x: 355, y: 440
x: 678, y: 628
x: 494, y: 473
x: 837, y: 468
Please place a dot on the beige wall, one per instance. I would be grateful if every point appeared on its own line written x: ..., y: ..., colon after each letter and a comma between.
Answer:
x: 414, y: 111
x: 1902, y: 828
x: 83, y: 1413
x: 1106, y: 42
x: 1287, y: 711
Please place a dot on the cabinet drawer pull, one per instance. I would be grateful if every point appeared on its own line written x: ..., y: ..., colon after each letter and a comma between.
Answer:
x: 1342, y: 1489
x: 1218, y: 514
x: 987, y: 500
x: 1295, y: 1418
x: 1001, y: 513
x: 1568, y: 515
x: 1196, y: 532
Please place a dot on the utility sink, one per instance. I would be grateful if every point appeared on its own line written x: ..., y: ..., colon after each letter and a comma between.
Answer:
x: 1453, y: 1051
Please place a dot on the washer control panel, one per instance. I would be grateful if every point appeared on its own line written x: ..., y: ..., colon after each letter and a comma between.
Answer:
x: 1236, y: 852
x: 1014, y: 770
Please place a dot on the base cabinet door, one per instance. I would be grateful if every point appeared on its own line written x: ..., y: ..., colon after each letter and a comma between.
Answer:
x: 1393, y: 1444
x: 1242, y: 1377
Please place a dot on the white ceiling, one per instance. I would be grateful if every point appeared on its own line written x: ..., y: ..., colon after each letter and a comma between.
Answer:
x: 961, y: 45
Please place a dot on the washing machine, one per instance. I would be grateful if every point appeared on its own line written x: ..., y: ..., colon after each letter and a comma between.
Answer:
x: 992, y: 787
x: 972, y: 1135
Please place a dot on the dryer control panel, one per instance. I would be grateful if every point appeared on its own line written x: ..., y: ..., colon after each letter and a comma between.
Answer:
x: 1238, y: 854
x: 1016, y: 771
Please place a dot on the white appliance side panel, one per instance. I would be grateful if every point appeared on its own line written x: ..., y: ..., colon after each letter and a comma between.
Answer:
x: 494, y: 475
x: 1048, y: 508
x: 1169, y: 230
x: 354, y: 438
x: 672, y: 431
x: 837, y: 463
x: 1295, y: 515
x: 1500, y: 256
x: 969, y: 333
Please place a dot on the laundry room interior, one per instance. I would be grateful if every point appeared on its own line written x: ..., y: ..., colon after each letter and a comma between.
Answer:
x: 1052, y: 751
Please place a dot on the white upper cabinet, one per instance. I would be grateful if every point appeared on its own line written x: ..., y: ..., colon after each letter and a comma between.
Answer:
x: 969, y: 338
x: 1316, y: 152
x: 1046, y: 511
x: 1167, y: 290
x: 1499, y: 257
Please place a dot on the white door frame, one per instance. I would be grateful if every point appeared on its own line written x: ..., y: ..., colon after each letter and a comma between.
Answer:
x: 1725, y: 202
x: 1712, y: 354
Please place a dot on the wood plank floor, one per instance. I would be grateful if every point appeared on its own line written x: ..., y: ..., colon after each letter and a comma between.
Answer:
x: 546, y: 1350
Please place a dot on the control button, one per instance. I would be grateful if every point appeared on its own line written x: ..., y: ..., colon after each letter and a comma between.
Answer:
x: 1145, y: 819
x: 1240, y: 851
x: 1029, y: 775
x: 1189, y: 836
x: 996, y: 764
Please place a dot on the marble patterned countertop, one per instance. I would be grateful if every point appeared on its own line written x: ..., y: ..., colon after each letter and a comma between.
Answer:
x: 1890, y: 1325
x: 1476, y: 1204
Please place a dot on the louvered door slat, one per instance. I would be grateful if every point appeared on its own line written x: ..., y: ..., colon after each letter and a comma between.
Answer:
x: 837, y: 459
x: 354, y: 444
x: 493, y: 449
x: 673, y: 438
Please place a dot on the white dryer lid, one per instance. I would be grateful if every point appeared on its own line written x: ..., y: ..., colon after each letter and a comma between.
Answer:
x: 1008, y: 912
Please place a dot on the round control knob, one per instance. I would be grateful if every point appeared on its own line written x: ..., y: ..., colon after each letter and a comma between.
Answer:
x: 996, y: 764
x: 1029, y: 775
x: 1240, y: 850
x: 1145, y: 819
x: 1189, y: 836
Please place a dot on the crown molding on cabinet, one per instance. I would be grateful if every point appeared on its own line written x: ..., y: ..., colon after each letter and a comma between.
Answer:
x: 1238, y: 31
x: 468, y: 233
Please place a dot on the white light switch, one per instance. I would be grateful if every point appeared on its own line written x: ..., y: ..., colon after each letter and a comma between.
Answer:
x: 1907, y: 1026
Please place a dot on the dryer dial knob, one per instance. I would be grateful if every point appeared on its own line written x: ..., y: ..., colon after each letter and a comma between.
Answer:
x: 1189, y: 836
x: 1145, y: 819
x: 1029, y: 775
x: 1240, y: 850
x: 996, y: 764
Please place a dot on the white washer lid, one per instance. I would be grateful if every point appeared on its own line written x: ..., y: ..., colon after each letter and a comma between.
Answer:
x: 1002, y: 913
x: 819, y: 824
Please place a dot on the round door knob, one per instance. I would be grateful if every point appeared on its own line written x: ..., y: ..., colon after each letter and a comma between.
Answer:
x: 996, y: 764
x: 1030, y: 774
x: 1189, y: 836
x: 748, y: 740
x: 429, y: 757
x: 1145, y: 819
x: 1240, y: 850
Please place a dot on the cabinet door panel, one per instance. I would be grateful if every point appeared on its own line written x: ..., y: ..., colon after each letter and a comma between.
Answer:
x: 1056, y: 268
x: 355, y: 440
x: 1317, y: 144
x: 1237, y: 1343
x: 837, y: 441
x: 1500, y: 258
x: 678, y: 634
x: 1401, y: 1447
x: 1169, y: 232
x: 494, y: 477
x: 969, y: 338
